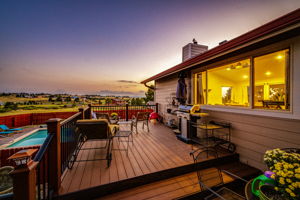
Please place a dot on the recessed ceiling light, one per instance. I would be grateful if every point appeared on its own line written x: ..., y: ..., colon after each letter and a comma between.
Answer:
x: 268, y: 73
x: 279, y: 57
x: 245, y: 76
x: 228, y: 68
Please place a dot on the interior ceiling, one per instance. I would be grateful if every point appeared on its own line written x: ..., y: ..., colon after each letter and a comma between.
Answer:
x: 269, y: 63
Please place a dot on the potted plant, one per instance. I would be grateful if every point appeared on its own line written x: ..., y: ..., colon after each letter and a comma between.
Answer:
x: 286, y: 168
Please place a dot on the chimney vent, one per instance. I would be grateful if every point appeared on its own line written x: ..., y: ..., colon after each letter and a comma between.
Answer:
x: 224, y: 41
x: 192, y: 49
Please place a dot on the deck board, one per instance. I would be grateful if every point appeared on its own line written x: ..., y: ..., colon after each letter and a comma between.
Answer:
x: 179, y: 186
x: 150, y: 152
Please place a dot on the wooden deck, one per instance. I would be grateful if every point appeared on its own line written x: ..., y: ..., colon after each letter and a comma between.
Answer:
x: 180, y: 186
x: 151, y: 152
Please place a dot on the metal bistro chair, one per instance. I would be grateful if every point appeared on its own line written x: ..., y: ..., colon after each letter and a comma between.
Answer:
x: 6, y: 182
x: 209, y: 140
x: 213, y: 177
x: 106, y: 116
x: 142, y: 117
x: 96, y: 130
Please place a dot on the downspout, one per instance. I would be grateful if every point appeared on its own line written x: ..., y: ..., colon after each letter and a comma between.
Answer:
x: 152, y: 88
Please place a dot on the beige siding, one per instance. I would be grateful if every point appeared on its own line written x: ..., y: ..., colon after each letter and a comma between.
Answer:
x: 253, y: 134
x: 165, y: 89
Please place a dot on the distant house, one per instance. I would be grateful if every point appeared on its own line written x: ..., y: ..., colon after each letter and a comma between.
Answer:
x: 1, y: 103
x: 118, y: 101
x: 251, y: 81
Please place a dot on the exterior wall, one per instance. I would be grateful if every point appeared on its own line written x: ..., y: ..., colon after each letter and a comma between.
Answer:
x: 253, y: 134
x: 165, y: 89
x: 253, y: 130
x: 256, y: 130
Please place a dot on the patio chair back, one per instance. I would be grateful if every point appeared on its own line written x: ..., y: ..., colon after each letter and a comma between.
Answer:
x: 94, y: 129
x: 142, y: 116
x: 103, y: 116
x: 6, y: 182
x: 208, y: 177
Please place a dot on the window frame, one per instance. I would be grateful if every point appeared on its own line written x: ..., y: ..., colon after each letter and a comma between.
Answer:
x: 287, y: 80
x: 251, y: 57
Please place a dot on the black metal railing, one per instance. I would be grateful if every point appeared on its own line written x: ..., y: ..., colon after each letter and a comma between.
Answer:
x: 44, y: 187
x: 124, y: 111
x: 69, y: 140
x: 9, y: 196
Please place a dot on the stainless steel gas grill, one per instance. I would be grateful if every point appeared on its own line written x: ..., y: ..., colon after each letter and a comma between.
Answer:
x: 187, y: 115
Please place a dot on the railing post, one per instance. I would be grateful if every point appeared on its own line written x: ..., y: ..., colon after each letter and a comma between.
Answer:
x: 126, y: 112
x: 90, y: 111
x: 55, y: 154
x: 24, y: 182
x: 81, y: 110
x: 156, y: 107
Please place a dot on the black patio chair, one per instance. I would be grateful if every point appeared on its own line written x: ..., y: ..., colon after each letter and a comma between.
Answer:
x: 99, y: 129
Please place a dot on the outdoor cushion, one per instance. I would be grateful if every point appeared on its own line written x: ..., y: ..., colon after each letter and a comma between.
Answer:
x: 5, y: 128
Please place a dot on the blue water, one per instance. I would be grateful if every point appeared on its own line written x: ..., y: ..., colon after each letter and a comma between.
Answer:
x: 36, y: 138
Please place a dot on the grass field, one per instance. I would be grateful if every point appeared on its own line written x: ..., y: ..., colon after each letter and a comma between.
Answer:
x: 17, y: 112
x: 20, y: 99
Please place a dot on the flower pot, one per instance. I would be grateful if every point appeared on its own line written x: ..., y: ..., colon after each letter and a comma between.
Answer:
x: 267, y: 192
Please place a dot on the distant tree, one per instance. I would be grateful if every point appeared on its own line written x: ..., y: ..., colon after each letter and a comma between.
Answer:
x: 77, y: 99
x: 11, y: 105
x: 108, y: 101
x: 133, y: 102
x: 59, y: 98
x: 149, y: 94
x: 68, y: 99
x: 100, y: 102
x: 50, y: 98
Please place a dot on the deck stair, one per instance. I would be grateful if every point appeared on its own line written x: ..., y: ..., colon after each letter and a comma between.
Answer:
x: 111, y: 188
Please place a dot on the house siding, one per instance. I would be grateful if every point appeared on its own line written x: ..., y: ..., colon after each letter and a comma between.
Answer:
x: 165, y: 89
x: 253, y: 134
x: 253, y: 130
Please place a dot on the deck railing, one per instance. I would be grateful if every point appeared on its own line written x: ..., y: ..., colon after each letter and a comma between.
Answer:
x: 68, y: 139
x: 124, y: 111
x: 44, y: 186
x: 41, y: 178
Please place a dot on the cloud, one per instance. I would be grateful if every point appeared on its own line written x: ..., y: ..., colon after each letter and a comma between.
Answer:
x: 127, y: 81
x: 122, y: 93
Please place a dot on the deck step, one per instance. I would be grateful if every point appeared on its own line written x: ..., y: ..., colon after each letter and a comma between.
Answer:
x: 102, y: 190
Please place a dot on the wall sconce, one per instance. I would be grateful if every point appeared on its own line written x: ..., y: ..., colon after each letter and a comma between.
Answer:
x: 23, y: 157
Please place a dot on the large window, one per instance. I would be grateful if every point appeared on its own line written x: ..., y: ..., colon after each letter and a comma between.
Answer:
x: 230, y: 85
x: 225, y: 85
x: 270, y: 80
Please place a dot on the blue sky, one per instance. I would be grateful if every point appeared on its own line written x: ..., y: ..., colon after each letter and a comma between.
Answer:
x: 107, y: 47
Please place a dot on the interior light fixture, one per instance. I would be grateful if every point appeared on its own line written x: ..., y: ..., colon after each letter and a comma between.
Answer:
x: 228, y: 68
x: 245, y: 76
x: 238, y: 65
x: 279, y: 57
x: 268, y: 73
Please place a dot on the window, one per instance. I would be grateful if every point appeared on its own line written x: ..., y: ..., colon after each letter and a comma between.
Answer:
x: 270, y: 80
x: 229, y: 84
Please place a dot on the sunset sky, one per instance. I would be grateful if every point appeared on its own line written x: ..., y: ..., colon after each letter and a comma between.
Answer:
x: 108, y: 47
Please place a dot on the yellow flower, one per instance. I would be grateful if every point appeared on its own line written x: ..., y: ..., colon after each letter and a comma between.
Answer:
x: 288, y: 180
x: 281, y: 181
x: 273, y: 176
x: 297, y: 176
x: 291, y: 187
x: 276, y: 188
x: 292, y: 194
x: 288, y: 190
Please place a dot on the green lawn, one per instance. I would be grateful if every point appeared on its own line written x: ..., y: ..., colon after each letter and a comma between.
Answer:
x: 17, y: 112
